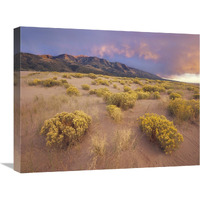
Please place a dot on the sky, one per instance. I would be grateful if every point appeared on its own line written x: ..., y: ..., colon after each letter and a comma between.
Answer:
x: 171, y: 56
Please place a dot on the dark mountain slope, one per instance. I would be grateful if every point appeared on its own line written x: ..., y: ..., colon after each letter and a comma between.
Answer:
x: 83, y: 64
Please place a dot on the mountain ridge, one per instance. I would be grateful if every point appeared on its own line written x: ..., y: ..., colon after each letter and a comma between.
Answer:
x: 80, y: 63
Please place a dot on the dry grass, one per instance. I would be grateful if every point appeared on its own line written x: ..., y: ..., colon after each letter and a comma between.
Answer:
x: 113, y: 146
x: 98, y: 145
x: 123, y: 139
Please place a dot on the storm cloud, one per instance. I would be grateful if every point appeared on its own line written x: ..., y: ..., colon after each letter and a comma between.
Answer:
x: 164, y: 54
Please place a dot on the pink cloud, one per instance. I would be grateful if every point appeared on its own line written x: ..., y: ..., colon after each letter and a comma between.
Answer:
x: 142, y: 50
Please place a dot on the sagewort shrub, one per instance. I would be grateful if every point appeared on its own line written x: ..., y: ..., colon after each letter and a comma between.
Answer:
x: 161, y: 131
x: 127, y: 89
x: 34, y: 82
x: 174, y: 95
x: 65, y: 128
x: 123, y: 100
x: 72, y: 91
x: 101, y: 92
x: 143, y: 95
x: 153, y: 88
x: 184, y: 109
x: 114, y: 112
x: 100, y: 81
x: 85, y: 87
x: 50, y: 82
x: 155, y: 95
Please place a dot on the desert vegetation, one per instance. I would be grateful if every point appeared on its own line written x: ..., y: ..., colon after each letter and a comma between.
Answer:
x: 75, y: 121
x: 65, y: 128
x: 161, y: 131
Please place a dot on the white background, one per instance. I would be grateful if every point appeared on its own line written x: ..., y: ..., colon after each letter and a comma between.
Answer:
x: 151, y: 16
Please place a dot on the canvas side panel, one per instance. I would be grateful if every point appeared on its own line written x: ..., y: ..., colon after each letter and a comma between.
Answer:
x: 17, y: 143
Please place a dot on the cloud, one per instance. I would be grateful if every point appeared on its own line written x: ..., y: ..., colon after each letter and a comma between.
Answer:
x: 145, y: 52
x: 187, y: 77
x: 141, y: 50
x: 159, y: 53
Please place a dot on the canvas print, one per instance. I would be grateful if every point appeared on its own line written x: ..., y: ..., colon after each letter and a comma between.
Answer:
x: 93, y: 99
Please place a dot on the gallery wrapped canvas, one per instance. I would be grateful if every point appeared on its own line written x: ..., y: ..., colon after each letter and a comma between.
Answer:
x: 92, y: 99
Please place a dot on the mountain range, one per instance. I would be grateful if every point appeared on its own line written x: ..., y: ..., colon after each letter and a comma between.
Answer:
x: 81, y: 64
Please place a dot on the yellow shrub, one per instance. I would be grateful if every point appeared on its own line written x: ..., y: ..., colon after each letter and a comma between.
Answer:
x: 85, y: 87
x: 143, y: 95
x: 50, y: 82
x: 122, y: 82
x: 65, y: 128
x: 127, y: 89
x: 155, y: 95
x: 153, y: 88
x: 62, y: 81
x: 161, y: 131
x: 101, y: 91
x: 184, y: 109
x: 170, y: 91
x: 100, y: 81
x: 91, y: 75
x: 174, y: 95
x: 115, y: 86
x: 136, y: 81
x: 93, y: 91
x: 34, y: 82
x: 123, y: 100
x: 66, y: 76
x: 72, y: 91
x: 114, y: 112
x: 78, y: 75
x: 66, y: 85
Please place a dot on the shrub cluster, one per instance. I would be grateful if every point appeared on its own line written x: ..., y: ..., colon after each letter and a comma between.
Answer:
x: 78, y: 75
x: 155, y: 95
x: 143, y: 95
x: 170, y: 91
x: 127, y: 89
x: 136, y: 81
x: 114, y: 112
x: 184, y: 109
x: 100, y: 81
x: 50, y: 82
x: 72, y: 91
x: 153, y: 88
x: 147, y: 95
x: 85, y: 87
x: 174, y: 95
x: 92, y: 76
x: 101, y: 92
x: 65, y: 128
x: 34, y: 82
x: 123, y: 100
x: 66, y: 76
x: 161, y: 131
x: 115, y: 86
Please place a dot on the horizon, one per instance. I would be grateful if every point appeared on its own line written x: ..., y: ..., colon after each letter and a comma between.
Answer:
x: 170, y: 56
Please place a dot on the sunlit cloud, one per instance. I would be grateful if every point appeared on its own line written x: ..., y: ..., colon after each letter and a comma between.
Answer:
x: 144, y: 52
x: 141, y: 50
x: 187, y: 77
x: 163, y: 54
